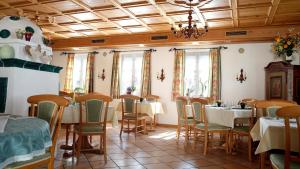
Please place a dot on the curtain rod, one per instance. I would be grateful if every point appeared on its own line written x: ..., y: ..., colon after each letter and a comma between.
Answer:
x: 220, y: 47
x: 151, y: 50
x: 66, y: 53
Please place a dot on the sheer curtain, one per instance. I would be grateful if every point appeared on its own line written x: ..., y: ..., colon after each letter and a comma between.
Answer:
x: 68, y: 86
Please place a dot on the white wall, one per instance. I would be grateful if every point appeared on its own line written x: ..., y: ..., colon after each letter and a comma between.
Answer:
x: 23, y: 83
x: 253, y: 61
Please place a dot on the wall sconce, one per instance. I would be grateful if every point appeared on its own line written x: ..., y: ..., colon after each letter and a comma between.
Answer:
x: 242, y: 77
x: 162, y: 76
x: 102, y: 75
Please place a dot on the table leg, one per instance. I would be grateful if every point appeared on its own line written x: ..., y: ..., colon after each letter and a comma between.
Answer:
x: 262, y: 159
x: 66, y: 146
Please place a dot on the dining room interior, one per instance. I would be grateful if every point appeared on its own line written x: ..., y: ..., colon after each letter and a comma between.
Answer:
x: 154, y: 84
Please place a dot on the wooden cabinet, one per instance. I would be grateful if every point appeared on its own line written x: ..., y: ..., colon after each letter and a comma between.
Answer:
x: 283, y: 81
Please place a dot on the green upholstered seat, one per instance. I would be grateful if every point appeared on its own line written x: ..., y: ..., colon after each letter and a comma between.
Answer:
x: 20, y: 164
x: 277, y: 161
x: 133, y: 116
x: 241, y: 129
x: 212, y: 127
x: 271, y: 111
x: 190, y: 121
x: 90, y: 128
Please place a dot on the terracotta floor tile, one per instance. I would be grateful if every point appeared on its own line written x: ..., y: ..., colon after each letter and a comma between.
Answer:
x: 126, y: 162
x: 102, y: 164
x: 157, y: 166
x: 148, y: 160
x: 133, y: 167
x: 180, y: 165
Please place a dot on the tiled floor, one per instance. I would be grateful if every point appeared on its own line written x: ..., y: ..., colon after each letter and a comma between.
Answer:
x: 157, y: 150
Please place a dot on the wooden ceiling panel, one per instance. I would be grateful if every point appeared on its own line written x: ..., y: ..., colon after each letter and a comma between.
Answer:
x: 155, y: 20
x: 78, y: 27
x: 219, y: 24
x: 172, y: 8
x: 102, y: 24
x: 287, y: 8
x: 9, y: 12
x: 253, y: 2
x: 54, y: 28
x: 129, y: 1
x: 216, y: 4
x: 159, y: 28
x: 65, y: 6
x: 72, y: 34
x: 85, y: 16
x: 142, y: 10
x: 137, y: 30
x: 128, y: 22
x: 37, y: 8
x: 96, y: 3
x: 256, y: 12
x: 217, y: 14
x: 114, y: 31
x: 252, y: 22
x: 286, y: 19
x: 17, y: 2
x: 113, y: 13
x: 92, y: 33
x: 182, y: 18
x: 63, y: 19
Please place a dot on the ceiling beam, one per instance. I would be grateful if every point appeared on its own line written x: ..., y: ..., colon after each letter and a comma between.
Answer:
x: 272, y: 12
x: 162, y: 12
x: 129, y: 13
x: 235, y: 15
x: 52, y: 32
x: 87, y: 8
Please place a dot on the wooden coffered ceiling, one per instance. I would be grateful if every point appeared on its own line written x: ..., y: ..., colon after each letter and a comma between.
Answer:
x: 63, y: 19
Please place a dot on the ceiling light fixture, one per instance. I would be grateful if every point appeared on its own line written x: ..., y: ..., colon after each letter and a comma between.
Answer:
x: 190, y: 30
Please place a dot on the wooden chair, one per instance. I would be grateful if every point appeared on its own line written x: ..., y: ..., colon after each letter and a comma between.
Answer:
x: 184, y: 121
x: 286, y: 160
x: 92, y: 120
x: 50, y: 109
x: 154, y: 98
x: 206, y: 129
x: 129, y: 113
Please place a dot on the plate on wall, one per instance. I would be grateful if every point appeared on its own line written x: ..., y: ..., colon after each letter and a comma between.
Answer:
x: 4, y: 33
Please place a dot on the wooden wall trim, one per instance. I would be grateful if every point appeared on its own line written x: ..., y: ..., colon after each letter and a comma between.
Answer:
x: 254, y: 34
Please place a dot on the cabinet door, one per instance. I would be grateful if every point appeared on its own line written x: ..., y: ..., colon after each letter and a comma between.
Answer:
x: 276, y: 85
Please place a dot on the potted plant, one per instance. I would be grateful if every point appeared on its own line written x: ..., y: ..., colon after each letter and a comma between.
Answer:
x: 20, y: 33
x: 219, y: 103
x: 130, y: 89
x: 242, y: 104
x: 29, y: 32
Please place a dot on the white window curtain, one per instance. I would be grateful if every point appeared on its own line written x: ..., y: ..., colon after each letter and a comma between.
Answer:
x: 131, y: 72
x: 79, y: 70
x: 197, y: 74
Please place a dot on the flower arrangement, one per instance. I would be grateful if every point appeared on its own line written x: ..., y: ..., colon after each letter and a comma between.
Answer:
x: 286, y: 45
x: 130, y: 89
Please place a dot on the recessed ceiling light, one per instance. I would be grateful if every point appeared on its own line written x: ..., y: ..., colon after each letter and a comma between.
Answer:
x: 141, y: 45
x: 195, y: 43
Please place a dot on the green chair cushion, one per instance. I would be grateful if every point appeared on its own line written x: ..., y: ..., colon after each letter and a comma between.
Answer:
x: 132, y: 116
x: 190, y: 121
x: 90, y: 128
x: 35, y: 159
x: 241, y: 129
x: 277, y: 160
x: 212, y: 126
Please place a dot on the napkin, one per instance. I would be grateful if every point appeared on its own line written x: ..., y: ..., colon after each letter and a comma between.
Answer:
x: 3, y: 121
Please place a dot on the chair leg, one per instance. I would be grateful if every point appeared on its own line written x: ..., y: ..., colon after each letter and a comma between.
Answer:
x: 135, y: 128
x: 145, y: 129
x: 74, y: 146
x: 79, y: 147
x: 205, y: 142
x: 128, y: 126
x: 249, y: 148
x: 178, y: 133
x: 51, y: 163
x: 104, y: 148
x: 227, y: 142
x: 122, y: 122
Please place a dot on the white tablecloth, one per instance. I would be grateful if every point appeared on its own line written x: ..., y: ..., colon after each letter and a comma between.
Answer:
x: 71, y: 115
x: 223, y: 115
x: 270, y: 133
x: 151, y: 108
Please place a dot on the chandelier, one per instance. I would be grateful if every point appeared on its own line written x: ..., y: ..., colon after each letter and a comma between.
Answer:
x: 190, y: 30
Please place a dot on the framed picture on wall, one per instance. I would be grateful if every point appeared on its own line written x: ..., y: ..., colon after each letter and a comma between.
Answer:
x: 276, y: 87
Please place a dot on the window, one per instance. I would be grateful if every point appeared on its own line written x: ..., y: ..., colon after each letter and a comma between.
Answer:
x: 197, y: 74
x: 131, y: 72
x: 79, y: 71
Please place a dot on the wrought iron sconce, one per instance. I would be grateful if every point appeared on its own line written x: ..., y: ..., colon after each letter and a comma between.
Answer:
x: 102, y: 75
x: 242, y: 77
x: 162, y: 75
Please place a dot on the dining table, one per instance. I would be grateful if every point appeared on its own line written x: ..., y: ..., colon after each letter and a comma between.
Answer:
x: 22, y: 138
x: 225, y: 116
x: 269, y: 131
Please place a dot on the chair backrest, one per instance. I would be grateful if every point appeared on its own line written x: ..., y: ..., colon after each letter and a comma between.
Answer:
x: 262, y: 105
x: 249, y: 101
x: 129, y: 104
x: 290, y: 112
x: 152, y: 98
x: 91, y: 109
x: 198, y: 108
x: 49, y: 108
x: 181, y: 103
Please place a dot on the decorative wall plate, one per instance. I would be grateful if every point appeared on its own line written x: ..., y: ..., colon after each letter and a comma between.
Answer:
x: 241, y: 50
x: 104, y: 54
x: 29, y: 29
x: 4, y: 33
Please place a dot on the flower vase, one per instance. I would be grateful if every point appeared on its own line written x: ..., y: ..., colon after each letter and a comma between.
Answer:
x: 19, y: 35
x: 288, y: 58
x: 28, y: 36
x: 128, y: 92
